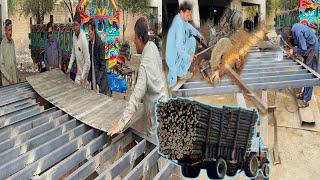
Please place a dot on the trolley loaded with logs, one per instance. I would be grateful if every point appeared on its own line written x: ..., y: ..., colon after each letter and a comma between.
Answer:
x: 219, y: 139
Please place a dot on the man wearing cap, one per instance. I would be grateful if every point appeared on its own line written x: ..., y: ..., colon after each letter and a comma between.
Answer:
x: 8, y: 62
x: 80, y: 53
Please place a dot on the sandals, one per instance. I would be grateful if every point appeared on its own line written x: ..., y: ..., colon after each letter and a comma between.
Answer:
x: 303, y: 104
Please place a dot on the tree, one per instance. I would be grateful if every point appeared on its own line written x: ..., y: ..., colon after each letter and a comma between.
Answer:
x: 134, y: 7
x: 251, y: 11
x: 37, y: 9
x: 12, y: 7
x: 273, y: 6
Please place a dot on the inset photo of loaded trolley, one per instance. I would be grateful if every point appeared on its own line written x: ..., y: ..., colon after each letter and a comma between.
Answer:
x: 223, y: 140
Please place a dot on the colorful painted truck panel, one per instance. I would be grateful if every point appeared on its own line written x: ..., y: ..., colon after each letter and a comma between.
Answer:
x: 309, y: 13
x: 106, y: 16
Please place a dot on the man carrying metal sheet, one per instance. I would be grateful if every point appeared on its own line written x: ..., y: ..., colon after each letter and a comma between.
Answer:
x: 150, y: 84
x: 8, y: 62
x: 80, y: 52
x: 306, y: 45
x: 181, y: 45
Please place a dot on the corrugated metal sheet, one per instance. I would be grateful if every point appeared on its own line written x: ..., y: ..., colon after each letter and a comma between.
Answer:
x: 50, y: 144
x: 96, y: 110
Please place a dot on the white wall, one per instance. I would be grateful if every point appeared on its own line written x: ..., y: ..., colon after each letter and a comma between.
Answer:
x: 158, y: 5
x: 4, y: 10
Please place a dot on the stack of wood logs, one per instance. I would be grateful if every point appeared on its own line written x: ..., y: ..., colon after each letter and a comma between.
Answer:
x: 186, y: 127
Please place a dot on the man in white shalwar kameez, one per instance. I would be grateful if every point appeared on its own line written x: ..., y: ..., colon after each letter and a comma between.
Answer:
x: 80, y: 52
x: 150, y: 85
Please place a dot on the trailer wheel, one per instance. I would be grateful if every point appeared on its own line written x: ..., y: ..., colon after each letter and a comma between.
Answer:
x: 251, y: 168
x: 232, y: 172
x: 190, y: 172
x: 217, y: 170
x: 265, y: 169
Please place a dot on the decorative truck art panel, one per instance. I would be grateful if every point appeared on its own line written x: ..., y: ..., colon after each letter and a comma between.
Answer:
x: 309, y: 13
x: 106, y: 15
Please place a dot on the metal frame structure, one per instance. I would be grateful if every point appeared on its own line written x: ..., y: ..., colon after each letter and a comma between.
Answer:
x: 262, y: 72
x: 50, y: 144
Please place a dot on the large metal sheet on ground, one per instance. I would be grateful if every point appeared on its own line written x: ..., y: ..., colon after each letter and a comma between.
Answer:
x: 96, y: 110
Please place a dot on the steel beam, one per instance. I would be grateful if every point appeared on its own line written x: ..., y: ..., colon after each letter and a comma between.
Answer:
x: 117, y: 167
x: 73, y: 160
x: 269, y: 65
x: 36, y: 142
x: 89, y: 167
x: 13, y: 131
x: 17, y: 110
x: 21, y: 84
x: 4, y: 89
x: 141, y: 169
x: 266, y: 62
x: 30, y: 157
x: 55, y: 156
x: 255, y: 87
x: 20, y: 116
x: 20, y: 91
x: 226, y: 82
x: 275, y: 73
x: 282, y: 68
x: 25, y: 136
x: 18, y: 98
x: 27, y: 120
x: 166, y: 171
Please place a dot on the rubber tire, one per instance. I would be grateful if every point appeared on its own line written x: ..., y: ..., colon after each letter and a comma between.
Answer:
x: 218, y: 169
x: 237, y: 21
x: 190, y: 172
x: 232, y: 172
x: 263, y: 168
x: 249, y: 170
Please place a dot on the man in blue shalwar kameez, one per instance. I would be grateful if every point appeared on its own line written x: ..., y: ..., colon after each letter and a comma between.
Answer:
x: 306, y: 45
x: 181, y: 45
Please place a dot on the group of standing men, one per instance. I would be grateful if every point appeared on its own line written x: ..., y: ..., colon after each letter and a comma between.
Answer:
x: 90, y: 57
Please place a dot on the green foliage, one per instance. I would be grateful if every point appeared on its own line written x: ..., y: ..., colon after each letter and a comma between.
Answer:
x: 12, y: 7
x: 251, y: 11
x: 280, y: 5
x: 134, y: 6
x: 37, y: 9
